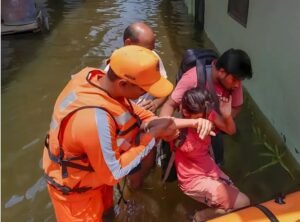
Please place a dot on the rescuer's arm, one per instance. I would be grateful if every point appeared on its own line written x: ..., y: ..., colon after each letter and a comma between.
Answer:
x: 167, y: 127
x: 160, y: 128
x: 94, y: 133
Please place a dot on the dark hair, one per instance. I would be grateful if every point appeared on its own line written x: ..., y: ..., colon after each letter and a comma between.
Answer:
x: 131, y: 33
x: 197, y: 100
x: 235, y: 62
x: 111, y: 75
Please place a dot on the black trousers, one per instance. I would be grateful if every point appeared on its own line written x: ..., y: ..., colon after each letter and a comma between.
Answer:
x: 218, y: 147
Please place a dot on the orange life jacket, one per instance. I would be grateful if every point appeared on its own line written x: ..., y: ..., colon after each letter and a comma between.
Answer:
x: 82, y: 93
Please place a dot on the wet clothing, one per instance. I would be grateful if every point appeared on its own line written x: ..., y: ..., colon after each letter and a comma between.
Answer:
x: 89, y: 206
x: 217, y: 193
x: 199, y: 176
x: 189, y: 81
x: 94, y: 141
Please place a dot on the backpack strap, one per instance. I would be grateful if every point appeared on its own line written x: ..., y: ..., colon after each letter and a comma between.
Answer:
x: 203, y: 60
x: 169, y: 166
x: 203, y: 77
x: 201, y: 74
x: 212, y: 90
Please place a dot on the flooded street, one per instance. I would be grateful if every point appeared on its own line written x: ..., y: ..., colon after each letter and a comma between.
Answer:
x: 35, y: 67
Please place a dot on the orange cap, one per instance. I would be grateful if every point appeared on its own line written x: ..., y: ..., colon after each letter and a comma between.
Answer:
x: 140, y: 66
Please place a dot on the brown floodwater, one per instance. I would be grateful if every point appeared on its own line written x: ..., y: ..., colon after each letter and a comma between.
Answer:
x: 35, y: 67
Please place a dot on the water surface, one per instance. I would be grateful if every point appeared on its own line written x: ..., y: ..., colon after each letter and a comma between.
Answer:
x: 35, y: 67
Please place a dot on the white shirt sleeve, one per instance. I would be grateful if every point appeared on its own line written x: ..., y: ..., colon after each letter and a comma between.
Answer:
x: 106, y: 68
x: 162, y: 69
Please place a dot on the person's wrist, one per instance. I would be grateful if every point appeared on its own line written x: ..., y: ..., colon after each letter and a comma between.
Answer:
x: 153, y: 132
x: 146, y: 127
x: 227, y: 116
x: 195, y: 123
x: 150, y: 131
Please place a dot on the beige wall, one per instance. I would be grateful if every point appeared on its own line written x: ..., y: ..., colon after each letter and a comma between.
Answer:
x: 272, y: 39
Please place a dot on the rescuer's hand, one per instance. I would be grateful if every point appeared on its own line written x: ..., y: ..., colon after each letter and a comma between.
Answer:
x: 163, y: 127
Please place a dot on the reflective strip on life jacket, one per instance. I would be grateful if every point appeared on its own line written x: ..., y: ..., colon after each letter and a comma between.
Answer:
x: 109, y: 155
x: 53, y: 124
x: 123, y: 144
x: 138, y: 123
x: 69, y: 99
x: 124, y: 132
x: 124, y: 118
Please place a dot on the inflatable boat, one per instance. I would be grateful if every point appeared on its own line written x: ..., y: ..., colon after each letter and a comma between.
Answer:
x: 282, y: 209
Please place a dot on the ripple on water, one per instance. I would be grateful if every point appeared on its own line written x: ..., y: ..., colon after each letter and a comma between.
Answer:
x: 31, y: 192
x: 39, y: 186
x: 13, y: 201
x: 35, y: 141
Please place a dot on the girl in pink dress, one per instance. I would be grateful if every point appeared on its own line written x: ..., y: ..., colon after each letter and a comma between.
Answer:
x: 198, y: 175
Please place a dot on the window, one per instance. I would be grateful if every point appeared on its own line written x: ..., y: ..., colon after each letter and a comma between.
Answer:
x: 238, y: 10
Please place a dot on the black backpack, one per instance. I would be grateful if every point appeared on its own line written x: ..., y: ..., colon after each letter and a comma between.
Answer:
x: 191, y: 58
x: 199, y: 58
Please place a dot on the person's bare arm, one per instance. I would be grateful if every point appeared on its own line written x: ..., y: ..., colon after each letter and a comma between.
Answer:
x: 225, y: 122
x: 168, y: 108
x: 235, y: 111
x: 203, y: 126
x: 167, y: 126
x: 159, y: 101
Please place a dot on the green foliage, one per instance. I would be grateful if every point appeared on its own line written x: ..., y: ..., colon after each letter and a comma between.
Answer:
x: 272, y: 151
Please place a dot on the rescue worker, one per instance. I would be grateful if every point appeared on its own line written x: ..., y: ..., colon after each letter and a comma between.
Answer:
x: 139, y: 33
x: 97, y: 136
